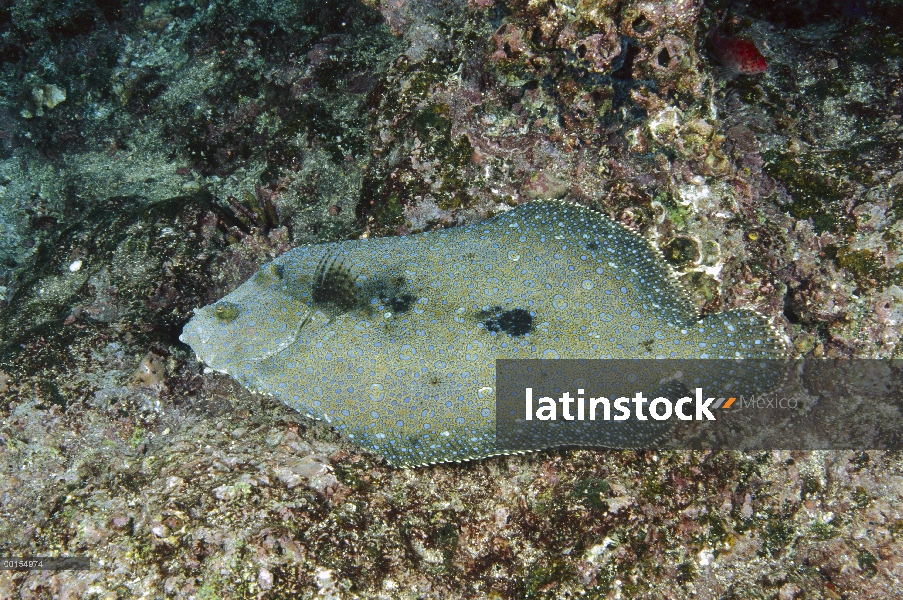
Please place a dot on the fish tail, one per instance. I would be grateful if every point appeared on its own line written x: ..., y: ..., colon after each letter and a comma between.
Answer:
x: 745, y: 355
x: 725, y: 73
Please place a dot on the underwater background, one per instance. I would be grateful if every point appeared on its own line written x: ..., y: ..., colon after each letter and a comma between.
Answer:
x: 153, y: 155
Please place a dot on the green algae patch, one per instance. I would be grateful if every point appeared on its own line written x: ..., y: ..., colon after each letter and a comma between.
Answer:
x: 681, y: 251
x: 544, y: 578
x: 701, y: 285
x: 896, y: 529
x: 811, y: 486
x: 679, y: 214
x: 654, y: 490
x: 752, y: 468
x: 815, y: 195
x: 864, y: 266
x: 777, y: 534
x: 896, y: 202
x: 137, y: 437
x: 867, y: 563
x: 592, y: 491
x: 824, y: 531
x: 433, y: 127
x: 433, y: 118
x: 829, y: 87
x: 686, y: 573
x: 446, y: 539
x: 861, y: 497
x: 719, y: 536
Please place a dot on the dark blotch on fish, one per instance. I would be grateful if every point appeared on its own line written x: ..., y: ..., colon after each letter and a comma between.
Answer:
x: 400, y: 303
x: 514, y: 322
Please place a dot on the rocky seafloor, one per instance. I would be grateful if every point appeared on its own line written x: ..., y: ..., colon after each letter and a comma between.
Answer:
x: 154, y: 154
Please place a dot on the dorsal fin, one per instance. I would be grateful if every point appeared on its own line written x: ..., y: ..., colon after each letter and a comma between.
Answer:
x: 333, y: 284
x: 659, y: 257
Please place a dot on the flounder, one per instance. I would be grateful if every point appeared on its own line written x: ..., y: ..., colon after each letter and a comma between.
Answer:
x: 394, y: 340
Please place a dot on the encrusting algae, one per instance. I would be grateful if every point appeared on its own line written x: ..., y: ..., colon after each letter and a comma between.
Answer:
x: 394, y: 340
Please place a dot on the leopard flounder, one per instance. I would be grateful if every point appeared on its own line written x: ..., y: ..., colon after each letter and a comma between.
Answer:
x: 393, y: 340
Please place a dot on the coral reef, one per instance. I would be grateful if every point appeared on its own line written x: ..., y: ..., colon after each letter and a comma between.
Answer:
x: 153, y: 156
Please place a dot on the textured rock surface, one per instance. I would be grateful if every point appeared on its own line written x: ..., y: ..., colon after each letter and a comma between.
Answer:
x: 198, y: 141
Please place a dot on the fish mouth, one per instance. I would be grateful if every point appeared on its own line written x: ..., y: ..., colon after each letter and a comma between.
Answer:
x: 197, y: 337
x: 236, y: 331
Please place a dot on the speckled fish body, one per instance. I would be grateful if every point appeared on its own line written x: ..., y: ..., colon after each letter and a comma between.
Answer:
x: 394, y: 340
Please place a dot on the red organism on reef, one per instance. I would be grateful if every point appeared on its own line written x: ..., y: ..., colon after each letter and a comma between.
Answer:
x: 739, y: 55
